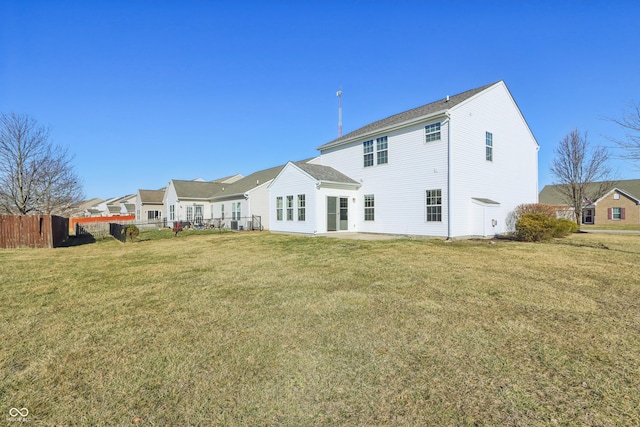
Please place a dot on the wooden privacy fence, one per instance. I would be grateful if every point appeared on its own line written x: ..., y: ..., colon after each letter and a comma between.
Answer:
x: 33, y: 231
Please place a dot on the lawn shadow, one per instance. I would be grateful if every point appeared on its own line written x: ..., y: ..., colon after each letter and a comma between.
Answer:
x: 77, y: 241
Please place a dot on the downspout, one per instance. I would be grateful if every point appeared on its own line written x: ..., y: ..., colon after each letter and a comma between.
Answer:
x: 448, y: 175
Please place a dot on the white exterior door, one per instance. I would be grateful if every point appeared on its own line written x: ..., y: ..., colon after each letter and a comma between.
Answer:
x: 337, y: 213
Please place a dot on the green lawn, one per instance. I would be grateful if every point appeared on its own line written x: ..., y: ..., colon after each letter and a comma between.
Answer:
x: 265, y: 329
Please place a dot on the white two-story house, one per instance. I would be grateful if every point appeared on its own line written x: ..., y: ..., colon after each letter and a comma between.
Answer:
x: 456, y: 167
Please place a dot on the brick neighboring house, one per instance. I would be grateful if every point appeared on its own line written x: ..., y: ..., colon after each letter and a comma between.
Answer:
x: 620, y: 205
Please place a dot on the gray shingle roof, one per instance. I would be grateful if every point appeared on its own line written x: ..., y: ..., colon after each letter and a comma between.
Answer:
x: 551, y: 196
x: 151, y: 196
x: 408, y: 116
x: 196, y: 189
x: 325, y: 173
x: 248, y: 182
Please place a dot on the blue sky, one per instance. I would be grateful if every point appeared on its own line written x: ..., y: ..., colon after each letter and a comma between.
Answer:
x: 142, y: 92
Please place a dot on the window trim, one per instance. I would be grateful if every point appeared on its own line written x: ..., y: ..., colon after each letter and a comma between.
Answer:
x: 369, y: 207
x: 290, y: 208
x: 368, y: 151
x: 616, y: 216
x: 382, y: 147
x: 302, y: 207
x: 433, y: 205
x: 488, y: 141
x: 279, y: 207
x: 432, y: 132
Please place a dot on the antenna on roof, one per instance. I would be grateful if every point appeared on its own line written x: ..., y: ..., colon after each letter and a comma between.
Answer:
x: 339, y: 95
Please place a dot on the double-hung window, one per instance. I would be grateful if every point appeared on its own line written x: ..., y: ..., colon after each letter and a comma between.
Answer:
x: 222, y: 211
x: 279, y: 208
x: 367, y: 148
x: 189, y: 213
x: 434, y: 205
x: 616, y: 213
x: 369, y: 207
x: 381, y: 146
x: 489, y: 146
x: 432, y: 132
x: 302, y: 207
x: 289, y: 208
x: 172, y: 212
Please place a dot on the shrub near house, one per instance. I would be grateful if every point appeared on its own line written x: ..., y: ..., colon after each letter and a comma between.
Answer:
x: 536, y: 227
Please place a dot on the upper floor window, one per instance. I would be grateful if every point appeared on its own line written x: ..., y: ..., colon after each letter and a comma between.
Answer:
x: 432, y: 132
x: 381, y: 146
x: 434, y: 205
x: 489, y: 146
x: 367, y: 147
x: 369, y: 207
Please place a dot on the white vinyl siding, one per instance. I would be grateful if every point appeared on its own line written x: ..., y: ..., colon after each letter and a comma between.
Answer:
x: 293, y: 181
x: 398, y: 186
x: 509, y: 179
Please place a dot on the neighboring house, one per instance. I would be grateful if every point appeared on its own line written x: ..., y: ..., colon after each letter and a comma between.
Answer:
x: 120, y: 206
x: 244, y: 204
x: 149, y: 205
x: 86, y: 208
x: 234, y: 202
x: 229, y: 179
x: 189, y: 201
x: 453, y: 168
x: 620, y: 205
x: 117, y: 206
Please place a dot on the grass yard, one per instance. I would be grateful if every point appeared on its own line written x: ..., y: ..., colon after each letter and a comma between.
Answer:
x: 266, y: 329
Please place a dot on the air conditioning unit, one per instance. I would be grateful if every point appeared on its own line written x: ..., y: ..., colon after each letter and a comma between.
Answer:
x: 234, y: 225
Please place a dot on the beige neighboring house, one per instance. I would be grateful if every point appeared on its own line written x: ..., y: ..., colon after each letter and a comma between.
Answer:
x: 87, y: 208
x: 620, y: 205
x: 149, y: 206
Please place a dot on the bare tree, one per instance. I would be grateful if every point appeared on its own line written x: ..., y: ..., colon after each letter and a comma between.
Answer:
x: 36, y: 176
x: 630, y: 124
x: 582, y: 174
